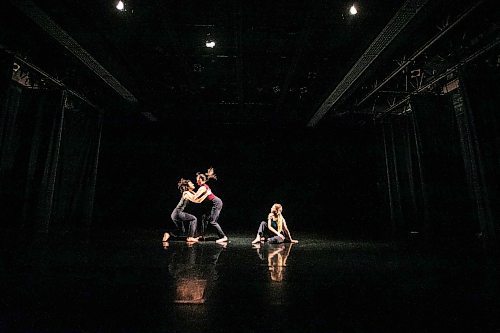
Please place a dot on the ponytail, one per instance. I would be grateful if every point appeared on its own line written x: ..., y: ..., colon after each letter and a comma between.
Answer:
x: 210, y: 174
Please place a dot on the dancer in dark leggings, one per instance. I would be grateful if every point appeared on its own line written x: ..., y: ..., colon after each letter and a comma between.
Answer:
x: 179, y: 216
x: 275, y: 229
x: 201, y: 180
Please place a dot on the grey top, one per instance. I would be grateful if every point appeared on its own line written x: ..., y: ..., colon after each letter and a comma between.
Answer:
x: 182, y: 203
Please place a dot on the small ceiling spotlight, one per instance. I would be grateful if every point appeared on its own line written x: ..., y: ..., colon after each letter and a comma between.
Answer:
x: 353, y: 10
x: 210, y: 41
x: 120, y: 6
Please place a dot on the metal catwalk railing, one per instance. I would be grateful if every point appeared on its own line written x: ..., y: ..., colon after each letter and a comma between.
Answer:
x: 39, y: 17
x: 404, y: 15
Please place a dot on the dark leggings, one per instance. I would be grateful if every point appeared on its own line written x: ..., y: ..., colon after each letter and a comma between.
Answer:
x: 214, y: 216
x: 179, y: 217
x: 264, y: 232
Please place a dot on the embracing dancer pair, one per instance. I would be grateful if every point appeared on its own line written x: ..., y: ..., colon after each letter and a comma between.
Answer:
x: 180, y: 216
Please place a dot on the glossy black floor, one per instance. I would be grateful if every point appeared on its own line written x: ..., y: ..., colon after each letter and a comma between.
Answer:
x: 130, y: 282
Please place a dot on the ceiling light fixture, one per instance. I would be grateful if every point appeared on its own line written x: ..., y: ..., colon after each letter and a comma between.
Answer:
x: 353, y: 10
x: 210, y: 41
x: 120, y: 6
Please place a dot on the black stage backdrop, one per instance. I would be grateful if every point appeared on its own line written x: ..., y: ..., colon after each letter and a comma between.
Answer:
x: 325, y: 180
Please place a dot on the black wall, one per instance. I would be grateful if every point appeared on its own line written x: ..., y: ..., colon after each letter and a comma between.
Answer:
x: 326, y: 180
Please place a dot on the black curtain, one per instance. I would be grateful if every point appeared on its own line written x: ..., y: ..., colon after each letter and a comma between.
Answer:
x: 481, y: 101
x: 403, y: 177
x: 426, y: 174
x: 30, y: 131
x: 77, y: 167
x: 449, y: 206
x: 48, y: 160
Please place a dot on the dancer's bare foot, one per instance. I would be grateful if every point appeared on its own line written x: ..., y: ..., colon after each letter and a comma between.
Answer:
x: 221, y: 240
x: 192, y: 239
x: 166, y: 236
x: 256, y: 240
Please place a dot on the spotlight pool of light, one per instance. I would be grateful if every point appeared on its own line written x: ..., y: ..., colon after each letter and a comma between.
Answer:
x: 210, y: 44
x: 120, y: 5
x: 353, y: 10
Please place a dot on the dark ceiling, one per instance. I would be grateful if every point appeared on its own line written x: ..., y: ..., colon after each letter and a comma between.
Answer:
x: 274, y: 61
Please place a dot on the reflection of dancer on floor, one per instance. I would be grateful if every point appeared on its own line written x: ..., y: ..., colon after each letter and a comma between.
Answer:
x: 201, y: 180
x: 276, y: 261
x: 194, y: 272
x: 179, y: 216
x: 275, y: 229
x: 277, y: 256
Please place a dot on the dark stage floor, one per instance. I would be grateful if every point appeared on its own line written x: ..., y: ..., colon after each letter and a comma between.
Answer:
x: 131, y: 283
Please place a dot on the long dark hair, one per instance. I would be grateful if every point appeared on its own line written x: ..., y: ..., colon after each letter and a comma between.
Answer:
x: 183, y: 185
x: 210, y: 174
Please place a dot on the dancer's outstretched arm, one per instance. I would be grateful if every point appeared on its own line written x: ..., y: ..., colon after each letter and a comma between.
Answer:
x: 270, y: 227
x: 287, y: 231
x: 192, y: 196
x: 201, y: 190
